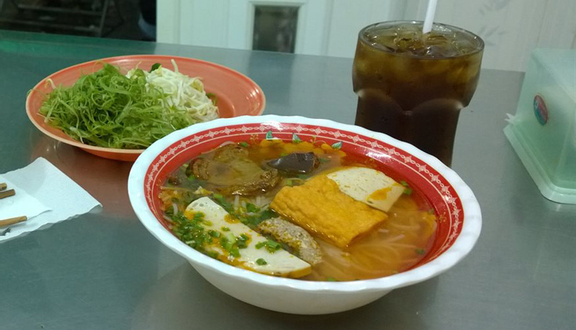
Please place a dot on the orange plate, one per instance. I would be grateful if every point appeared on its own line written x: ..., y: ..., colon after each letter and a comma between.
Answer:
x: 237, y: 94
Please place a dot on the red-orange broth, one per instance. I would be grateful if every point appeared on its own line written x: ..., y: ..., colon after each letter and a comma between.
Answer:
x: 395, y: 246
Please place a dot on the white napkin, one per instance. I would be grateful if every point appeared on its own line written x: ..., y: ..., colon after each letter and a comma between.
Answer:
x: 45, y: 195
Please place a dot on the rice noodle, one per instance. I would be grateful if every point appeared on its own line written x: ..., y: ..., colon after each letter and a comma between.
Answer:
x: 176, y: 188
x: 403, y: 245
x: 405, y: 227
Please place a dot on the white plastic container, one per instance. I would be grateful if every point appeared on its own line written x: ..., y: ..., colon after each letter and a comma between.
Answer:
x: 543, y: 131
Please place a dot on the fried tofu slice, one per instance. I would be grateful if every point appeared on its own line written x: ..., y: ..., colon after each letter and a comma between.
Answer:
x: 368, y: 186
x: 322, y: 208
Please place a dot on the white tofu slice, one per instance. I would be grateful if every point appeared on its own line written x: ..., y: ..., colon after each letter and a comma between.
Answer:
x: 278, y: 263
x: 368, y: 186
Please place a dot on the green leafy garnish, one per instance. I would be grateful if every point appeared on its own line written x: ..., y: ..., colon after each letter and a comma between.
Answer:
x: 244, y: 144
x: 269, y: 135
x: 108, y: 109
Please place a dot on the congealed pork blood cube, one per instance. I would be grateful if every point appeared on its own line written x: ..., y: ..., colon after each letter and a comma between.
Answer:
x: 295, y: 163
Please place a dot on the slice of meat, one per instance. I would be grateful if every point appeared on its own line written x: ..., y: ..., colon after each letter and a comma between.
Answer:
x: 296, y: 237
x: 230, y: 171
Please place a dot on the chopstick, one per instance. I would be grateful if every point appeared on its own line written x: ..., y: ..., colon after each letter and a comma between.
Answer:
x: 11, y: 221
x: 7, y: 193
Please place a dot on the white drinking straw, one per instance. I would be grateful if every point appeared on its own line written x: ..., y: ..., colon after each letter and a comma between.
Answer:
x: 430, y: 12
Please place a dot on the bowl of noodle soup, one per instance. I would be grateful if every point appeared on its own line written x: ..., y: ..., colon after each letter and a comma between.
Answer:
x: 432, y: 225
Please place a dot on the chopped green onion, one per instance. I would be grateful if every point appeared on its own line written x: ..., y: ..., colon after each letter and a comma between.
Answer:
x: 407, y: 190
x: 295, y: 138
x: 155, y: 66
x: 212, y: 254
x: 270, y: 245
x: 212, y: 97
x: 252, y: 208
x: 261, y: 262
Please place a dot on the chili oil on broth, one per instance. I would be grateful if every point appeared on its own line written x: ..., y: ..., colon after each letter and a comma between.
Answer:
x: 396, y: 245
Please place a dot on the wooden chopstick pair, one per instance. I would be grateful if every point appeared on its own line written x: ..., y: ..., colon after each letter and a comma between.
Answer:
x: 7, y: 193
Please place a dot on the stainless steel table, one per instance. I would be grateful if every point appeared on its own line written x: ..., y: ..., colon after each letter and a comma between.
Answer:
x: 105, y: 271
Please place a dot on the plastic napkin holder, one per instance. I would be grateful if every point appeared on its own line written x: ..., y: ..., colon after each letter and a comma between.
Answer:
x: 543, y: 131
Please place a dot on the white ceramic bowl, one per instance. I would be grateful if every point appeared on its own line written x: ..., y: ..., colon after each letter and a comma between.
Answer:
x: 451, y: 198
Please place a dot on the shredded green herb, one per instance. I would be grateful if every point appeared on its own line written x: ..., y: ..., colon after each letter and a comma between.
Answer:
x: 108, y: 109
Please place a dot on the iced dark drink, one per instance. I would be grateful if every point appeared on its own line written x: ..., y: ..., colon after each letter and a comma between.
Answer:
x: 412, y: 85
